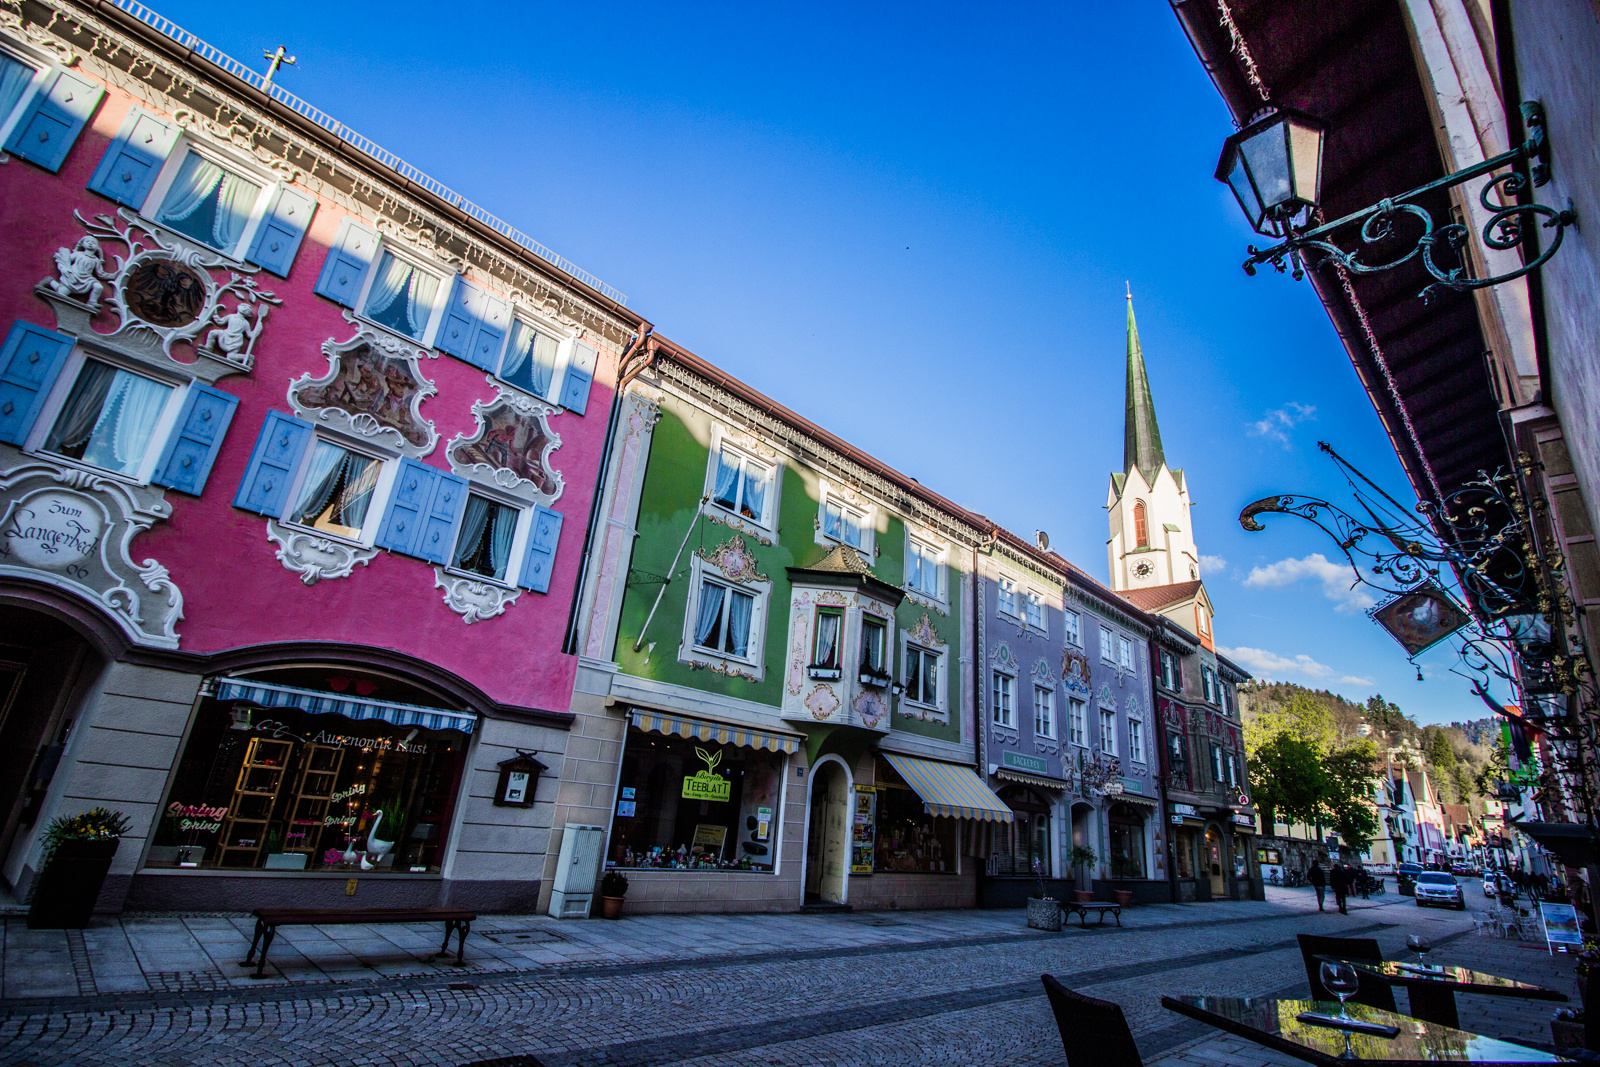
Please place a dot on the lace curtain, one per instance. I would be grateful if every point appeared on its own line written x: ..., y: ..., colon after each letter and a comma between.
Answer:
x: 710, y: 614
x: 531, y: 362
x: 201, y: 184
x: 401, y: 296
x: 109, y: 418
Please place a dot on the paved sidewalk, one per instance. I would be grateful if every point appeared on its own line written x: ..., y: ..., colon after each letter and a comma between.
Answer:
x: 173, y: 953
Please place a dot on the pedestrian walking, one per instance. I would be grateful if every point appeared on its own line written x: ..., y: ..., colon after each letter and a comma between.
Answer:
x: 1339, y: 879
x: 1360, y: 879
x: 1318, y: 880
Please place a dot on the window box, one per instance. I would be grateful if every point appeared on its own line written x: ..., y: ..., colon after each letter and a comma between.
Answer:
x: 876, y: 679
x: 825, y: 674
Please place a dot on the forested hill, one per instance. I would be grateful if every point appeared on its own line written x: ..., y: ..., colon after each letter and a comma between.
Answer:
x: 1455, y: 755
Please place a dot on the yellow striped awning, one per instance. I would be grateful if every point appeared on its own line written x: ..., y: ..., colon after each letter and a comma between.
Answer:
x: 949, y: 789
x: 1033, y: 779
x: 721, y: 733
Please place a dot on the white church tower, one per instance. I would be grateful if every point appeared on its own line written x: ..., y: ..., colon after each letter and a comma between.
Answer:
x: 1152, y: 540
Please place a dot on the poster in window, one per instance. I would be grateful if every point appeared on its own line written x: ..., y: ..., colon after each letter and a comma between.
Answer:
x: 709, y: 838
x: 863, y: 838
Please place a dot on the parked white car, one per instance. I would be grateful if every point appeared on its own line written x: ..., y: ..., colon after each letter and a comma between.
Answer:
x: 1440, y: 887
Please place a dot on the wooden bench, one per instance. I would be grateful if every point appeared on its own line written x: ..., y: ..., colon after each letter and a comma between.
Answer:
x: 1069, y: 907
x: 456, y: 921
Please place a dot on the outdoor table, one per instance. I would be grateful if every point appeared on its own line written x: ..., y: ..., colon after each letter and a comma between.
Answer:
x: 1274, y: 1024
x: 1432, y: 989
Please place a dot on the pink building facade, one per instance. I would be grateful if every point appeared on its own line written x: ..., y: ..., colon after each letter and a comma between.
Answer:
x: 297, y: 457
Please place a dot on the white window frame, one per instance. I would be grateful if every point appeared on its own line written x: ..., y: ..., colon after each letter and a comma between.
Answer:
x: 1217, y: 771
x: 720, y: 442
x: 941, y: 676
x: 41, y: 65
x: 565, y: 344
x: 1033, y: 602
x: 1108, y: 651
x: 1044, y: 712
x: 1136, y: 740
x: 1078, y: 721
x: 935, y: 556
x: 388, y: 468
x: 1073, y: 625
x: 1008, y: 597
x: 1108, y: 731
x: 519, y: 540
x: 1006, y: 683
x: 1124, y: 653
x: 755, y: 666
x: 240, y: 165
x: 866, y: 520
x: 61, y: 389
x: 441, y: 296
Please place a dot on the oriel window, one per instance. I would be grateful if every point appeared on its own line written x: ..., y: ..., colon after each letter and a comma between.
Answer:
x: 872, y: 635
x: 826, y: 653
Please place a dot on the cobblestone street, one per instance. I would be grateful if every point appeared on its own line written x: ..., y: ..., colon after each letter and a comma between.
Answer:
x: 890, y: 988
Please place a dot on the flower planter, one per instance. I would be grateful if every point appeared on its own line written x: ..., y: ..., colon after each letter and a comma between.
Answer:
x: 1044, y: 913
x: 1083, y: 896
x: 64, y: 895
x: 611, y: 907
x: 1123, y: 897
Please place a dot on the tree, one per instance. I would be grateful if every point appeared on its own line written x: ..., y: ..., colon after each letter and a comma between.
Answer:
x: 1346, y: 801
x: 1287, y: 779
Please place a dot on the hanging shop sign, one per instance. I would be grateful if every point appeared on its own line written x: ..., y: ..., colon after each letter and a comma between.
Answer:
x: 863, y: 836
x: 707, y: 784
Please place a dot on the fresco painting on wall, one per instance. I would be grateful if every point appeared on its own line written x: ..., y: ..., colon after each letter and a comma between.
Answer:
x: 370, y: 383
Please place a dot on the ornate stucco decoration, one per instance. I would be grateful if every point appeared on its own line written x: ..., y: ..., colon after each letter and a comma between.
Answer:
x: 743, y: 437
x: 238, y: 133
x: 734, y: 522
x: 1045, y: 745
x: 1102, y: 775
x: 1041, y: 674
x: 1004, y: 658
x: 822, y: 702
x: 923, y: 633
x: 1003, y: 735
x: 471, y: 599
x: 315, y: 557
x: 1108, y: 699
x: 165, y: 291
x: 71, y: 529
x: 374, y: 389
x: 734, y: 560
x: 39, y: 37
x: 510, y: 448
x: 727, y: 670
x: 1075, y: 672
x: 871, y: 707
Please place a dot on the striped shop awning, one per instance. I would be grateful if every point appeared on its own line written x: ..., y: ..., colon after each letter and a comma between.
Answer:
x: 1039, y: 780
x: 949, y: 789
x: 316, y: 702
x: 720, y: 732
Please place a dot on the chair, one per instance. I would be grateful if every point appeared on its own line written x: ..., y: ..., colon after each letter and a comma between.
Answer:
x: 1094, y: 1032
x: 1483, y: 923
x: 1374, y: 993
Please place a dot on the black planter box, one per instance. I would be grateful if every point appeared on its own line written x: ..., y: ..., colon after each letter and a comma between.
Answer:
x: 64, y: 895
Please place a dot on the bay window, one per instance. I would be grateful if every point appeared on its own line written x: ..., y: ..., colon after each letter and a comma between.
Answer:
x: 825, y: 652
x: 873, y: 631
x: 1001, y: 693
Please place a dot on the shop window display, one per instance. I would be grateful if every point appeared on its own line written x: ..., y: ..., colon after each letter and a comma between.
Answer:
x: 281, y: 788
x: 1024, y: 841
x: 910, y: 839
x: 1127, y: 842
x: 685, y: 804
x: 1184, y: 845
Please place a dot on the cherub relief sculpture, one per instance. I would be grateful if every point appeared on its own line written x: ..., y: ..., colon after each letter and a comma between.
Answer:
x: 81, y: 271
x: 234, y: 337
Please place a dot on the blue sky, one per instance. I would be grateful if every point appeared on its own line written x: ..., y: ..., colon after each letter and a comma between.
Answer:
x: 911, y: 224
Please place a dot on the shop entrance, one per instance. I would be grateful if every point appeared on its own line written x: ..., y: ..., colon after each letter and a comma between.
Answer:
x: 1084, y: 836
x: 828, y: 835
x: 42, y: 663
x: 1219, y: 881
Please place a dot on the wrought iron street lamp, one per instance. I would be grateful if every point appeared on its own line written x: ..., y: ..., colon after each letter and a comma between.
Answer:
x: 1274, y: 167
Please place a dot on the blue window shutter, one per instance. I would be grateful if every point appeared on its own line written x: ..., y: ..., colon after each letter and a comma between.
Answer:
x: 580, y: 373
x: 47, y: 128
x: 474, y: 327
x: 129, y: 168
x: 265, y: 489
x: 278, y: 238
x: 540, y: 559
x: 351, y: 256
x: 30, y: 361
x: 444, y: 515
x: 186, y: 462
x: 407, y: 513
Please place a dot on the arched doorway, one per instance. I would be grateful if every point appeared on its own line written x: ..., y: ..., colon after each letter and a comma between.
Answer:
x: 1127, y: 834
x: 1214, y: 863
x: 1084, y: 835
x: 828, y: 834
x: 44, y: 665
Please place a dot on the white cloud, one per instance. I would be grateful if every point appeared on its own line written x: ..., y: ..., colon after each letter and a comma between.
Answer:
x: 1265, y: 663
x: 1277, y: 423
x: 1338, y: 582
x: 1213, y: 565
x: 1351, y: 679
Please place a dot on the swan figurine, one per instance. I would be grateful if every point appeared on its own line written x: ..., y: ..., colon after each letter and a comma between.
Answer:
x: 377, y: 848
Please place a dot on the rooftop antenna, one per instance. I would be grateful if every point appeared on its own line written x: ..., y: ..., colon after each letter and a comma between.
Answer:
x: 279, y: 58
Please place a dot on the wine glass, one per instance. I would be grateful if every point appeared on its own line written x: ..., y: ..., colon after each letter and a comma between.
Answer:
x: 1341, y: 980
x: 1420, y: 945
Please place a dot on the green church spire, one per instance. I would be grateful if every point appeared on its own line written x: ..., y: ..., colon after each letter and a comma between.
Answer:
x: 1141, y: 446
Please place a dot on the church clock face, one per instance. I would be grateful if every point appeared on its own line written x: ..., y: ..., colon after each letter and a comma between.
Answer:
x: 1143, y: 569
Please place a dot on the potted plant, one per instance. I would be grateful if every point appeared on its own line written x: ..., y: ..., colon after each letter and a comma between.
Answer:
x: 613, y: 888
x: 1044, y: 912
x: 1083, y: 859
x: 1123, y: 866
x: 72, y: 868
